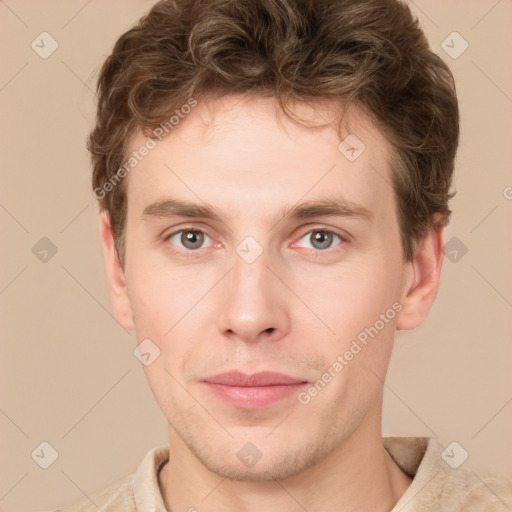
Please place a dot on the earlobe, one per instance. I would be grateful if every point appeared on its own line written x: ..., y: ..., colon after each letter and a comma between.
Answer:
x: 116, y: 280
x: 421, y: 288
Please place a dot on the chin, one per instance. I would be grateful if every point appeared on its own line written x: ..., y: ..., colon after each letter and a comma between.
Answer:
x: 264, y: 467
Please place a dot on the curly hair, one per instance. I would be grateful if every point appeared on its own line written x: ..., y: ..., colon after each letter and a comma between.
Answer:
x: 371, y: 53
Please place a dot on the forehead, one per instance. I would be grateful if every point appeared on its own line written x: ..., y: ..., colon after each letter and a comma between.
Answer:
x: 239, y: 151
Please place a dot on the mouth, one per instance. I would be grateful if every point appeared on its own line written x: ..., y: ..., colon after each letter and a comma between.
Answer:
x: 256, y: 391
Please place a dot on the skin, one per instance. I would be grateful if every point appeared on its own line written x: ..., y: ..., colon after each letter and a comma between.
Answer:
x: 292, y: 310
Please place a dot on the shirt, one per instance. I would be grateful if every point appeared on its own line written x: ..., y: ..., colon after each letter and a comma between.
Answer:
x: 440, y: 483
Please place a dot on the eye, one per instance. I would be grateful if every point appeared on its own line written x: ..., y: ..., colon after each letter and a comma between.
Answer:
x: 320, y: 239
x: 190, y: 239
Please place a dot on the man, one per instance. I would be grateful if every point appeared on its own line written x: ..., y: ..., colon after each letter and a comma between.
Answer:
x: 273, y: 179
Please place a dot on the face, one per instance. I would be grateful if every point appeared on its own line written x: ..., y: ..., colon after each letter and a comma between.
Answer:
x: 254, y: 244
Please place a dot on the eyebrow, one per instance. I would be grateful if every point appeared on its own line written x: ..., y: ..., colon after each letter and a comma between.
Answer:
x: 316, y: 208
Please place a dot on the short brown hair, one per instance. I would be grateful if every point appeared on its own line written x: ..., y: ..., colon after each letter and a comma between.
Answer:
x: 369, y: 52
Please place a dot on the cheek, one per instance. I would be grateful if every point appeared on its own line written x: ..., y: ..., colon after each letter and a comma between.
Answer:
x: 162, y: 295
x: 350, y: 296
x: 171, y: 308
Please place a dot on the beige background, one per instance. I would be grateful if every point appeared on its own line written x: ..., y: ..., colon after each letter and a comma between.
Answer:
x: 68, y: 373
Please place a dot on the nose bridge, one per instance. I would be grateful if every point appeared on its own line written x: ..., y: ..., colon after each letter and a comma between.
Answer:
x: 251, y: 300
x: 249, y: 282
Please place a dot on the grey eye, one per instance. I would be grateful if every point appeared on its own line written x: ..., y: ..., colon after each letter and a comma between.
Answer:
x: 320, y: 239
x: 190, y: 239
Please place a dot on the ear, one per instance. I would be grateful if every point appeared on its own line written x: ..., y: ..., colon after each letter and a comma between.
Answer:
x: 422, y: 282
x: 118, y: 292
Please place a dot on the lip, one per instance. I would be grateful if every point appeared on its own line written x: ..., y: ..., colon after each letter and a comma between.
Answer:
x: 255, y: 391
x: 236, y: 378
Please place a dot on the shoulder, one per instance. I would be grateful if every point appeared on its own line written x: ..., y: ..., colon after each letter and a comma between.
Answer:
x: 476, y: 490
x: 116, y: 496
x: 441, y: 482
x: 463, y: 487
x: 137, y: 491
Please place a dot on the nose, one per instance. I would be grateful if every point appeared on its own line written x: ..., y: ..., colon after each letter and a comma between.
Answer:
x: 253, y: 302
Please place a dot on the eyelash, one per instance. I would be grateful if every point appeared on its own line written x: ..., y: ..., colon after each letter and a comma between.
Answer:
x: 317, y: 252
